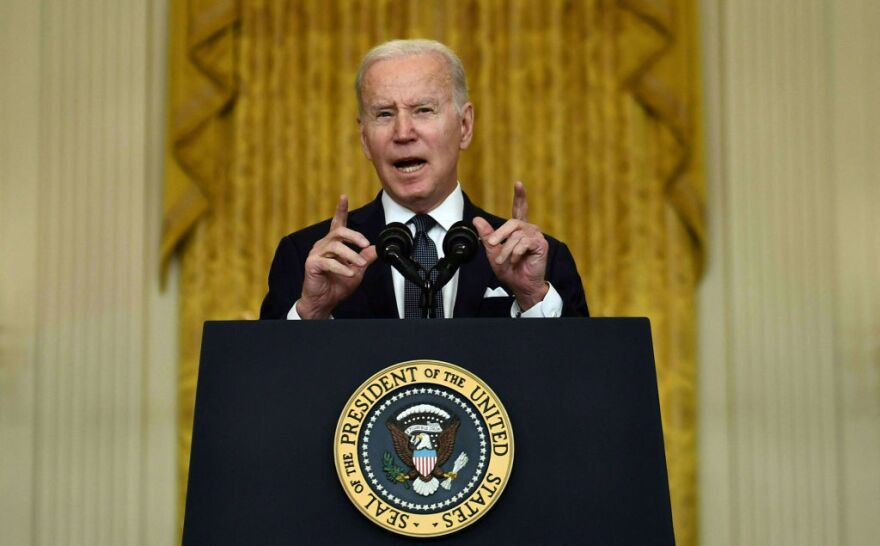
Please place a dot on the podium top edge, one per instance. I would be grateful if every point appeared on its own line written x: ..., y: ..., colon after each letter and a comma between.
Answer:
x: 469, y: 320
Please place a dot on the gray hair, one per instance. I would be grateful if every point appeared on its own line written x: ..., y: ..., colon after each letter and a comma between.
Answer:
x: 396, y: 49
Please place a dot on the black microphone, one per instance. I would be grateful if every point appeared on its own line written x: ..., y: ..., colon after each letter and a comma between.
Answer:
x: 459, y: 247
x: 394, y: 247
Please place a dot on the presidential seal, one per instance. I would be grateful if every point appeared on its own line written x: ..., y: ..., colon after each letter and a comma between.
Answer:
x: 423, y: 448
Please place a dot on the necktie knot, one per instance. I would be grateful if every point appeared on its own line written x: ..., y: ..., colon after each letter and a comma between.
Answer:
x: 423, y: 223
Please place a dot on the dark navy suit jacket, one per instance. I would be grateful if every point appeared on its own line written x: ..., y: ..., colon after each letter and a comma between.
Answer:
x: 374, y: 298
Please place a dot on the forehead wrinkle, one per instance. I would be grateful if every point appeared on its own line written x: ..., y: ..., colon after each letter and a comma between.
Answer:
x: 405, y: 94
x: 395, y: 88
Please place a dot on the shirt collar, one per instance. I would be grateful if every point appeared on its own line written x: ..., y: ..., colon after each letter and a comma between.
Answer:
x: 450, y: 211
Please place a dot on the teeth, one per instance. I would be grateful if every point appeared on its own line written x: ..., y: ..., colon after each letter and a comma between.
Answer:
x: 411, y: 168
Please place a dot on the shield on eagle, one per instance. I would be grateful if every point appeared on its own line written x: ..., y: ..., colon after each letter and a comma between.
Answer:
x: 425, y: 461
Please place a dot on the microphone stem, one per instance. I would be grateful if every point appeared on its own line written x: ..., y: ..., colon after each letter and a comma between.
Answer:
x: 427, y: 298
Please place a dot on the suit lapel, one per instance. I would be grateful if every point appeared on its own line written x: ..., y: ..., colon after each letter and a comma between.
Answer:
x: 474, y: 276
x: 377, y: 284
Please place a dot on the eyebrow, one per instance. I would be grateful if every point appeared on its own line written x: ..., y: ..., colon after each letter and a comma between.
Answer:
x: 424, y: 101
x: 415, y: 104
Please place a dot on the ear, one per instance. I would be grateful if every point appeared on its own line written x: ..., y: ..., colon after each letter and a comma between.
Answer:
x: 363, y: 132
x: 467, y: 126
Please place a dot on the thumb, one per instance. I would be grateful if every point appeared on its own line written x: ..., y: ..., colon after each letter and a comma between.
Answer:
x: 369, y: 254
x: 484, y: 230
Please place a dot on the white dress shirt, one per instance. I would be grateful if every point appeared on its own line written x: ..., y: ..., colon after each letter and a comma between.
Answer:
x: 447, y: 213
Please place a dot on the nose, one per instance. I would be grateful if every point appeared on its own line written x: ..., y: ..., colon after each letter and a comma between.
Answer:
x: 404, y: 131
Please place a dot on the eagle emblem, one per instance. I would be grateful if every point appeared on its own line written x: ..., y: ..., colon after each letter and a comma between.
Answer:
x: 423, y: 448
x: 423, y: 436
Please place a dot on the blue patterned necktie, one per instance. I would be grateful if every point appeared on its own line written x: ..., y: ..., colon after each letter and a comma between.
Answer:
x: 425, y: 254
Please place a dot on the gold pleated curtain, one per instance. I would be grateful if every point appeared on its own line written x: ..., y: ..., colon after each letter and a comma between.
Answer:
x: 594, y: 104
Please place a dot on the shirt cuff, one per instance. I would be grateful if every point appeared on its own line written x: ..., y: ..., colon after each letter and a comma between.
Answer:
x: 293, y: 315
x: 549, y: 307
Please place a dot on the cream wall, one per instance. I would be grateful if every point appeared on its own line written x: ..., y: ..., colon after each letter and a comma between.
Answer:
x: 790, y: 306
x: 87, y: 340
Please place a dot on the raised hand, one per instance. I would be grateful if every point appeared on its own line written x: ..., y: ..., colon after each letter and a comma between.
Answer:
x: 517, y: 252
x: 333, y: 270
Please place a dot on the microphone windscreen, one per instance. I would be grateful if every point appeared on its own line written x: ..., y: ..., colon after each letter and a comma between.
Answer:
x: 394, y: 238
x: 460, y: 243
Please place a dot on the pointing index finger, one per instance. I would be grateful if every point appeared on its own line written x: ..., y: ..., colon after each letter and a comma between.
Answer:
x: 520, y: 205
x: 340, y: 217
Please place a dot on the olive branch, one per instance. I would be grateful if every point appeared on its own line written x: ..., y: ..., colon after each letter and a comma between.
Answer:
x: 392, y: 471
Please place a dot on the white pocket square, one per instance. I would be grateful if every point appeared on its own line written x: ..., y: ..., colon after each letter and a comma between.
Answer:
x: 496, y: 293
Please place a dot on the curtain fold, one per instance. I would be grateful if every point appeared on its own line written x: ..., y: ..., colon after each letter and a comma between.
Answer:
x: 594, y: 104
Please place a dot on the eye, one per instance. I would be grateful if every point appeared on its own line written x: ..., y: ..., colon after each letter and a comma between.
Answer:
x: 383, y: 114
x: 424, y: 110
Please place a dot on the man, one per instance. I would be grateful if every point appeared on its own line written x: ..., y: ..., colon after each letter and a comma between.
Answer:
x: 415, y: 119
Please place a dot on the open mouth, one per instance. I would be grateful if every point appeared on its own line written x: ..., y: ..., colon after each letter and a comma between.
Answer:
x: 410, y: 165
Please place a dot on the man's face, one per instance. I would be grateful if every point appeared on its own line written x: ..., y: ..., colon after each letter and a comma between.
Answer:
x: 411, y: 130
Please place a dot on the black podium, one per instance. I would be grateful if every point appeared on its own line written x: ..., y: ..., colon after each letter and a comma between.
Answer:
x: 581, y: 395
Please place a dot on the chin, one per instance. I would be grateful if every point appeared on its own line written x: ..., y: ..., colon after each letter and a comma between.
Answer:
x: 418, y: 195
x: 416, y: 203
x: 411, y: 195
